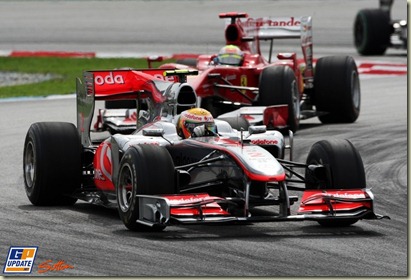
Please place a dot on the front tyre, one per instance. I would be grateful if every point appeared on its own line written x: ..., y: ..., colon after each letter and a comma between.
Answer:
x: 337, y: 89
x: 52, y: 163
x: 144, y: 169
x: 344, y: 170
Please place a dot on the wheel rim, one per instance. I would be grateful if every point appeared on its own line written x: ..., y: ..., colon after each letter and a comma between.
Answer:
x: 29, y: 165
x: 125, y: 188
x: 355, y: 89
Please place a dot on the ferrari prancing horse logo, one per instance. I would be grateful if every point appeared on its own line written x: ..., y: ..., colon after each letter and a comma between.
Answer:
x: 243, y: 82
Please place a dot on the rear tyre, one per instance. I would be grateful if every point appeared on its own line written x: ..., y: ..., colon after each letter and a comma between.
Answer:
x: 278, y: 86
x: 337, y: 89
x: 344, y: 170
x: 372, y: 31
x: 144, y: 169
x: 52, y: 163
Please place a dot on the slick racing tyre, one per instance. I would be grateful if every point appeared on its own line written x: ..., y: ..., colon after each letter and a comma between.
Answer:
x: 52, y: 163
x: 337, y: 89
x: 344, y: 170
x: 144, y: 169
x: 278, y: 86
x: 372, y: 31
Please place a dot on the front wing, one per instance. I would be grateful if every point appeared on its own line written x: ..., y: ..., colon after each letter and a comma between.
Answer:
x: 201, y: 208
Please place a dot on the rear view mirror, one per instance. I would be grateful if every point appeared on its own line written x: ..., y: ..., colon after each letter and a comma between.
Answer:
x: 153, y: 132
x: 256, y: 129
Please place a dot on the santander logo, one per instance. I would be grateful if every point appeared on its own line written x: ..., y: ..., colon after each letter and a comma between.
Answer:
x: 109, y: 79
x: 275, y: 22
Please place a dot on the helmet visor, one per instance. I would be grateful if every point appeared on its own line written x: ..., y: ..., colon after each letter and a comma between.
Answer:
x: 230, y: 59
x: 189, y: 126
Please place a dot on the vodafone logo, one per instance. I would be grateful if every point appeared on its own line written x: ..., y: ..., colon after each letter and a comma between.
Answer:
x: 109, y: 79
x: 348, y: 195
x: 264, y: 142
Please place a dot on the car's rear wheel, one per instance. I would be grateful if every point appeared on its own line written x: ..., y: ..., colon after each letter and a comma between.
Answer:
x: 372, y: 31
x: 144, y: 169
x: 52, y: 163
x: 344, y: 170
x: 278, y: 86
x: 337, y: 89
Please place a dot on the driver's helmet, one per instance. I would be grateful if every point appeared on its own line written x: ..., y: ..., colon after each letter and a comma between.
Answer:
x: 230, y: 55
x: 193, y: 118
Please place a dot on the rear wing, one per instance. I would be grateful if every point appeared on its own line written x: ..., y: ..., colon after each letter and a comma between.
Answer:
x: 266, y: 28
x: 159, y: 87
x: 242, y: 30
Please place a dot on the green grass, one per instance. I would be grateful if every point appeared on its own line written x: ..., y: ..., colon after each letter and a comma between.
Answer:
x: 65, y: 69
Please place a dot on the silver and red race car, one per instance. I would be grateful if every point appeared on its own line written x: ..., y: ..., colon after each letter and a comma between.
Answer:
x: 327, y: 88
x: 156, y: 179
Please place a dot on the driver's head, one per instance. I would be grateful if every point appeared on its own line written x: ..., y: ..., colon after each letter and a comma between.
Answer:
x: 193, y: 118
x: 230, y: 55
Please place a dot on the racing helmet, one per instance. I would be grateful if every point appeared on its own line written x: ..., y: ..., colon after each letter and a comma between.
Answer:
x: 230, y: 55
x: 192, y: 118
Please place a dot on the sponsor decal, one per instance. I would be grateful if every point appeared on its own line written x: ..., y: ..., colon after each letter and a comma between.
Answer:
x: 259, y: 22
x: 199, y: 118
x: 98, y: 175
x: 109, y: 79
x: 49, y: 266
x: 348, y: 195
x: 189, y: 199
x: 20, y: 260
x: 105, y: 161
x: 244, y: 80
x: 264, y: 142
x: 185, y: 200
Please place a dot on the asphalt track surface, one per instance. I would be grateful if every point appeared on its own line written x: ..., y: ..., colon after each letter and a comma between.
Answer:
x: 94, y: 242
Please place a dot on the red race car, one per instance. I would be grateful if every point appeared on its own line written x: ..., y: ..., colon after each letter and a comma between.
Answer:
x: 181, y: 166
x: 240, y: 75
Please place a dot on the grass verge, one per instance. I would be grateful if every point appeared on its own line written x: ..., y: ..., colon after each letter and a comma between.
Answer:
x: 65, y: 69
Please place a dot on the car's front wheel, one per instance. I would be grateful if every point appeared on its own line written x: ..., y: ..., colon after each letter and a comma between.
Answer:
x: 344, y: 170
x: 144, y: 169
